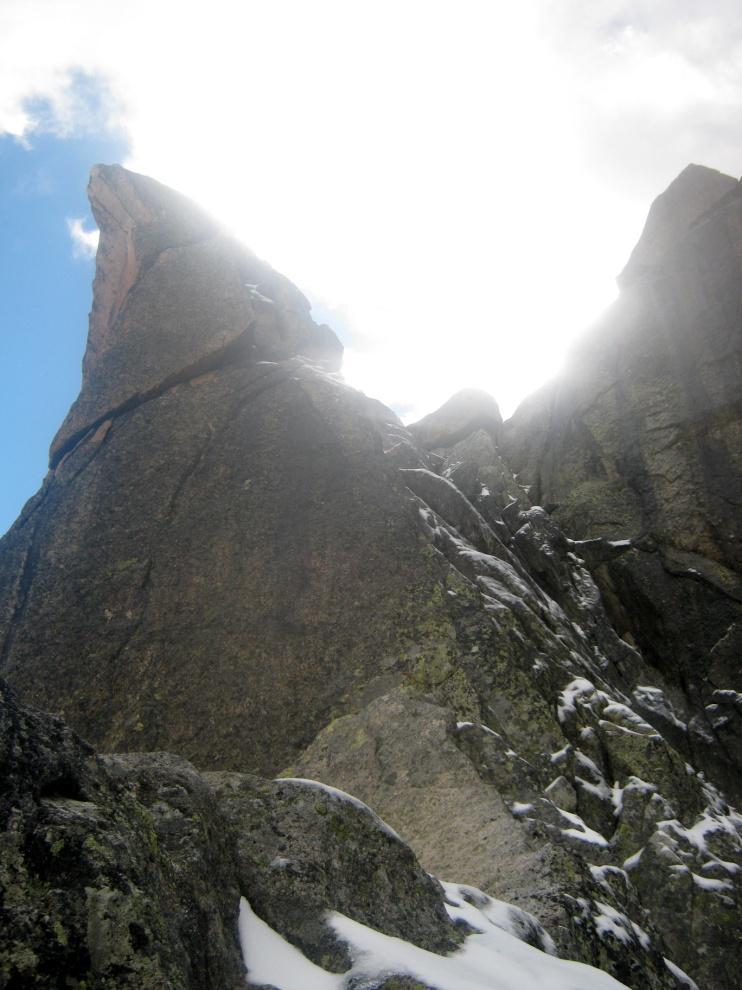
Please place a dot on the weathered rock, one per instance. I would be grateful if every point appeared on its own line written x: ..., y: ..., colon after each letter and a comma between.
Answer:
x: 174, y: 296
x: 305, y: 849
x: 530, y: 625
x: 127, y: 871
x: 235, y: 553
x: 405, y: 757
x: 92, y: 892
x: 641, y: 438
x: 466, y: 411
x: 238, y: 557
x: 431, y: 779
x: 223, y: 543
x: 474, y: 465
x: 696, y: 190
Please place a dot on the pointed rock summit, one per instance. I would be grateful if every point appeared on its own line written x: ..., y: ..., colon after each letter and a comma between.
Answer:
x: 685, y: 201
x: 640, y: 438
x: 174, y: 296
x: 468, y: 410
x: 221, y: 558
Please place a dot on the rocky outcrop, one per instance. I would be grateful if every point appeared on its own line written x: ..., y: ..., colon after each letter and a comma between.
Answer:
x: 693, y: 193
x: 641, y: 438
x: 464, y: 413
x: 237, y: 557
x: 174, y: 297
x: 223, y: 559
x: 533, y: 727
x: 95, y: 890
x: 131, y: 871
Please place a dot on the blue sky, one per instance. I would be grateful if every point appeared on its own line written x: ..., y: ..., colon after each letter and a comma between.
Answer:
x: 45, y: 294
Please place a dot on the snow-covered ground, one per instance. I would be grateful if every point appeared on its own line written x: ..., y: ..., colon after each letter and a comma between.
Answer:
x: 490, y: 959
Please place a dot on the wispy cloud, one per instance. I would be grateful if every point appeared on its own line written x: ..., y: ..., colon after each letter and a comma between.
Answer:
x: 84, y: 242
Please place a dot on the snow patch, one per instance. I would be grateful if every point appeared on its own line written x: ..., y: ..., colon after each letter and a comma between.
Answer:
x: 678, y: 973
x: 622, y: 715
x: 511, y: 919
x: 478, y: 725
x: 598, y: 786
x: 633, y: 861
x: 490, y: 959
x: 612, y: 922
x: 270, y: 959
x: 654, y: 699
x: 601, y: 875
x: 715, y: 886
x: 561, y: 754
x: 728, y: 696
x: 599, y: 790
x: 582, y: 832
x: 577, y: 689
x: 721, y: 864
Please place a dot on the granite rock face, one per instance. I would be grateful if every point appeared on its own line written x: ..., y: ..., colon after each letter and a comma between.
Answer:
x: 93, y: 892
x: 641, y: 438
x: 161, y: 265
x: 220, y: 545
x: 534, y: 727
x: 238, y: 558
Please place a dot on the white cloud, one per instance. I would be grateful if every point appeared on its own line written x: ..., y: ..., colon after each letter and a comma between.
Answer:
x: 84, y: 242
x: 463, y: 180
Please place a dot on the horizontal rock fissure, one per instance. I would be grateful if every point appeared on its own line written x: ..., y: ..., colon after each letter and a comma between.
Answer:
x: 229, y: 354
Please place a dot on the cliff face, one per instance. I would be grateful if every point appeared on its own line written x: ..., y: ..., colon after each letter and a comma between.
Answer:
x: 220, y: 558
x: 641, y: 438
x: 237, y: 557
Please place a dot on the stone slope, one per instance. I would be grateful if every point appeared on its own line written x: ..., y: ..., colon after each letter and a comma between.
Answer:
x: 533, y: 760
x: 641, y: 438
x: 237, y: 557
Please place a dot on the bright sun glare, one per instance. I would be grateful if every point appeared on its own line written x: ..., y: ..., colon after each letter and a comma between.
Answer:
x: 458, y: 184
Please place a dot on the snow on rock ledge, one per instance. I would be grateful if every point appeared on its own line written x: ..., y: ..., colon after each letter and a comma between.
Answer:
x: 490, y: 959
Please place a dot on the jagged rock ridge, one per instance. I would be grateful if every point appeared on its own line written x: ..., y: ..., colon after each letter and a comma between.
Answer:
x: 641, y: 438
x: 238, y: 557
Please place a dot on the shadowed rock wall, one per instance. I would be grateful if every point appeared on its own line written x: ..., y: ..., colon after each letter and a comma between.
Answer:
x: 641, y: 438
